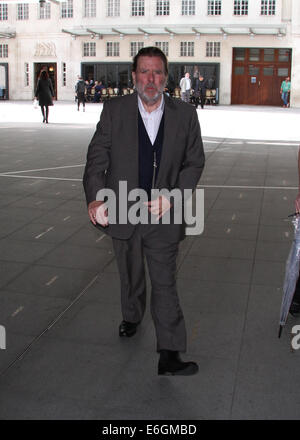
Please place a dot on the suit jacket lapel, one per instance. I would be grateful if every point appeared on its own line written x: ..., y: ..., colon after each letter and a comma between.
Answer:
x: 131, y: 118
x: 170, y: 129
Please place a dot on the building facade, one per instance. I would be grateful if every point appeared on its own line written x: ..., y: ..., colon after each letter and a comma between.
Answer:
x: 244, y: 48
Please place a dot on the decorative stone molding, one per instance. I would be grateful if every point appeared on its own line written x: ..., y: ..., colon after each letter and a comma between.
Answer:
x: 45, y: 49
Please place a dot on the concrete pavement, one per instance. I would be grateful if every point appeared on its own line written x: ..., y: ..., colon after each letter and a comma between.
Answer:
x: 59, y: 288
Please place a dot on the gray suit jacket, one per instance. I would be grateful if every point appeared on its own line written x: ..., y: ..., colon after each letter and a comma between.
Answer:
x: 113, y: 155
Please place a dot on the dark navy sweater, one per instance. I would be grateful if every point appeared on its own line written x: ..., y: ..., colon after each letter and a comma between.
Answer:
x: 146, y: 154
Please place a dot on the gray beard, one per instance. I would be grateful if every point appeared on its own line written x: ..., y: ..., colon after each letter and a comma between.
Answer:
x: 146, y: 99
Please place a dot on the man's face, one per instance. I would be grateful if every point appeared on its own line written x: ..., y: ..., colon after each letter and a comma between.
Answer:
x: 150, y: 79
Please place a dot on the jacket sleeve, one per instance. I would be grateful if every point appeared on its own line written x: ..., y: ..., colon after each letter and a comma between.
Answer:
x: 51, y: 87
x: 37, y: 90
x: 98, y: 157
x: 194, y: 158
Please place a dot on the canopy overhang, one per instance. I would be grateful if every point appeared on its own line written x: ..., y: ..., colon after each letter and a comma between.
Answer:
x: 172, y: 30
x: 7, y: 33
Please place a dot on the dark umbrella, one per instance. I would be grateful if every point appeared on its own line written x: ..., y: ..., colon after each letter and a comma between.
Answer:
x: 291, y: 276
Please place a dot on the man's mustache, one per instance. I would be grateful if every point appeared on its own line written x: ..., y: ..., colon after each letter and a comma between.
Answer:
x: 151, y: 85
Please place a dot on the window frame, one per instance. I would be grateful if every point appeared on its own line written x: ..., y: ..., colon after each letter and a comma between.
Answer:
x: 26, y: 74
x: 3, y: 50
x: 162, y: 8
x: 44, y: 13
x: 139, y: 45
x: 240, y: 8
x: 67, y: 9
x: 214, y: 7
x: 89, y: 49
x: 114, y: 49
x: 64, y: 74
x: 188, y: 7
x: 22, y: 11
x: 3, y: 11
x: 163, y: 46
x: 213, y: 49
x: 187, y: 48
x: 113, y: 8
x: 90, y: 8
x: 137, y: 8
x: 268, y: 7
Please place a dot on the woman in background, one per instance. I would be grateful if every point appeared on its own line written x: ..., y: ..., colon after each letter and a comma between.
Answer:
x: 44, y: 93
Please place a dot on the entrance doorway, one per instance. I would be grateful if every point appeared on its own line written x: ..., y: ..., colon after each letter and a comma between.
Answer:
x: 257, y: 75
x: 52, y: 72
x: 4, y: 81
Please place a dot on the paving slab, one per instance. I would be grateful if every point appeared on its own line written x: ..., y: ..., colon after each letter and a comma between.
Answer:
x: 265, y: 387
x: 50, y: 281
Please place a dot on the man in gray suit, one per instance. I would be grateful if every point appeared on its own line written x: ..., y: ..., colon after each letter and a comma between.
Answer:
x: 147, y: 140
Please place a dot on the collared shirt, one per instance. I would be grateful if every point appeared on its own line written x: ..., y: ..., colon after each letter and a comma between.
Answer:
x: 187, y: 83
x: 152, y: 120
x: 286, y: 86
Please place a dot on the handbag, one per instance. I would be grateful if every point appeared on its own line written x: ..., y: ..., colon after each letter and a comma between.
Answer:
x: 35, y: 103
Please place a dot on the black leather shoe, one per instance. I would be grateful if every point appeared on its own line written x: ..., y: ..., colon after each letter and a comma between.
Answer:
x: 170, y: 364
x: 127, y: 328
x: 294, y: 308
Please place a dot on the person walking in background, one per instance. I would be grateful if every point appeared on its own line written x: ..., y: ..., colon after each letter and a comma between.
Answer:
x: 185, y: 86
x: 285, y: 90
x: 147, y: 140
x: 44, y: 93
x: 199, y: 87
x: 80, y: 93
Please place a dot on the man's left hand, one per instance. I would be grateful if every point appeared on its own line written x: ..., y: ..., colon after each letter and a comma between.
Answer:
x: 159, y: 206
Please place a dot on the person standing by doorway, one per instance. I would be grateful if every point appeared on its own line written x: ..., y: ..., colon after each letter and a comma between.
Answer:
x: 285, y: 90
x: 185, y: 86
x: 45, y: 94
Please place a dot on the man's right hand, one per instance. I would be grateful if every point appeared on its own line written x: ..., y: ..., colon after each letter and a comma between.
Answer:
x: 98, y: 209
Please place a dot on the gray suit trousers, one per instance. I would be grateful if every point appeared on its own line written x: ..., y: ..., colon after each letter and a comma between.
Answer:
x: 161, y: 259
x: 185, y: 96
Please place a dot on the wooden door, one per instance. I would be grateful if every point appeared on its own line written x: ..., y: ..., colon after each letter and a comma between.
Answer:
x: 257, y: 74
x: 269, y: 92
x: 253, y: 83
